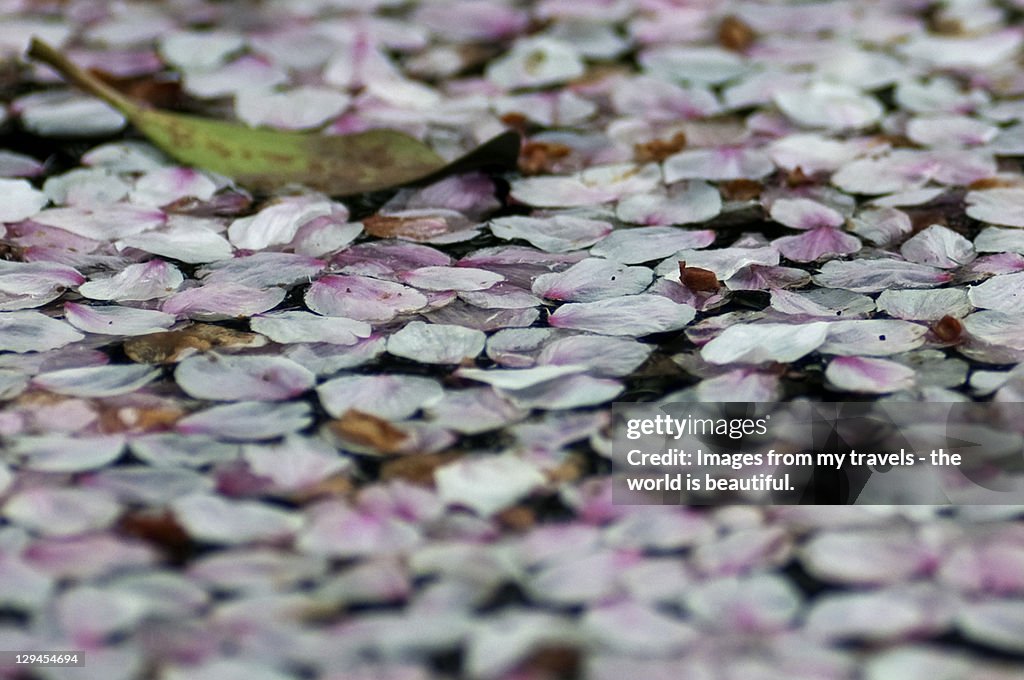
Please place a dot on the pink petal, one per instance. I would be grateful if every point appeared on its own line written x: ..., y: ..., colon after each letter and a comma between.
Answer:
x: 817, y: 243
x: 222, y: 300
x: 146, y: 281
x: 633, y: 315
x: 362, y: 298
x: 229, y: 377
x: 116, y: 320
x: 871, y: 376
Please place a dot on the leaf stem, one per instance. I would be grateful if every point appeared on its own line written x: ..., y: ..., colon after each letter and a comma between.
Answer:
x: 43, y: 52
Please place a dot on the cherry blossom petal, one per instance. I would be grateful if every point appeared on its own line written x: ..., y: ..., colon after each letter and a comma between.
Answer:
x: 254, y: 378
x: 829, y: 105
x: 222, y: 300
x: 248, y: 420
x: 938, y: 246
x: 757, y: 343
x: 296, y: 326
x: 62, y: 453
x: 1003, y: 293
x: 451, y: 278
x: 115, y: 320
x: 642, y: 244
x: 724, y: 262
x: 97, y: 381
x: 871, y: 376
x: 183, y: 239
x: 817, y: 243
x: 872, y: 276
x: 297, y: 109
x: 536, y: 62
x: 277, y: 223
x: 392, y: 397
x: 61, y: 512
x: 593, y: 279
x: 632, y: 315
x: 166, y: 185
x: 555, y: 234
x: 102, y: 222
x: 362, y: 298
x: 34, y: 332
x: 146, y: 281
x: 212, y: 519
x: 875, y: 337
x: 603, y: 355
x: 723, y: 163
x: 487, y: 484
x: 685, y: 203
x: 804, y: 213
x: 999, y: 206
x: 436, y: 343
x: 925, y: 305
x: 21, y: 201
x: 996, y: 328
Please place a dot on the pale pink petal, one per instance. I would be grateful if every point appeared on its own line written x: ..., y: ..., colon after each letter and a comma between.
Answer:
x: 297, y: 109
x: 436, y: 343
x: 724, y: 262
x: 870, y: 376
x: 757, y: 343
x: 338, y: 530
x: 61, y: 512
x: 199, y: 51
x: 740, y: 385
x: 393, y: 397
x: 759, y: 604
x: 145, y: 281
x: 14, y: 164
x: 297, y: 326
x: 804, y: 213
x: 817, y: 243
x: 362, y: 298
x: 593, y: 279
x: 830, y: 106
x: 102, y: 222
x: 451, y: 278
x: 166, y: 185
x: 567, y: 392
x: 487, y: 484
x: 925, y: 305
x: 867, y: 557
x: 186, y: 239
x: 880, y: 615
x: 64, y: 453
x: 604, y: 355
x: 723, y: 163
x: 34, y: 332
x: 632, y: 315
x: 224, y: 377
x: 248, y: 420
x: 872, y: 276
x: 222, y: 301
x: 630, y: 628
x: 950, y: 131
x: 685, y: 203
x: 116, y: 320
x: 642, y: 244
x: 278, y: 223
x: 1003, y: 293
x: 262, y: 270
x: 97, y: 381
x: 224, y: 80
x: 536, y: 62
x: 813, y: 153
x: 875, y: 337
x: 881, y: 226
x: 555, y: 234
x: 64, y: 114
x: 1000, y: 206
x: 212, y: 519
x: 996, y: 328
x: 938, y: 246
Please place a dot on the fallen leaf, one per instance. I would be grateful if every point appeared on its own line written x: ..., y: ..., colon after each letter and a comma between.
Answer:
x: 172, y: 346
x: 369, y: 430
x: 538, y: 158
x: 416, y: 469
x: 265, y: 160
x: 658, y: 150
x: 740, y: 189
x: 735, y: 34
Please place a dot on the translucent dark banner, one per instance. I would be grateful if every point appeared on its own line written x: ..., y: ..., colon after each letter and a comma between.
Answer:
x: 818, y: 453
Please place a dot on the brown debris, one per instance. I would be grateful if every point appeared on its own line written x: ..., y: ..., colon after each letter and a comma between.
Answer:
x: 369, y: 430
x: 797, y: 177
x: 554, y: 661
x: 658, y: 150
x: 412, y: 228
x: 517, y: 518
x: 337, y: 485
x: 697, y: 279
x: 740, y: 189
x: 131, y: 419
x: 995, y: 183
x: 537, y: 158
x: 948, y: 329
x: 735, y: 34
x: 169, y: 347
x: 416, y: 469
x: 160, y: 529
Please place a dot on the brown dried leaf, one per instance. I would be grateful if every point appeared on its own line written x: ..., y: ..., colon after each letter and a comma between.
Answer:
x: 413, y: 228
x: 537, y: 158
x: 948, y: 329
x: 517, y: 518
x: 698, y: 280
x: 369, y: 430
x: 740, y: 189
x: 417, y: 469
x: 735, y: 34
x: 658, y: 150
x: 159, y: 529
x: 171, y: 346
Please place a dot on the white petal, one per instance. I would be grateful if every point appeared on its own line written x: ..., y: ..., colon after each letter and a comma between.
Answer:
x: 392, y: 397
x: 632, y: 315
x: 436, y: 343
x: 240, y: 377
x: 938, y: 246
x: 116, y: 320
x: 756, y: 343
x: 20, y: 201
x: 642, y: 244
x: 487, y: 484
x: 1003, y: 293
x: 97, y: 381
x: 145, y: 281
x: 555, y: 234
x: 277, y: 223
x: 296, y: 326
x: 872, y: 376
x: 924, y: 305
x: 593, y: 279
x: 213, y: 519
x: 34, y: 332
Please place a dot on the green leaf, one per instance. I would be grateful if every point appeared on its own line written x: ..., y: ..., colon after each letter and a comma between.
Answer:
x: 263, y: 159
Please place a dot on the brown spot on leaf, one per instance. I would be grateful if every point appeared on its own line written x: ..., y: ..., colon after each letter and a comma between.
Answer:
x: 169, y: 347
x: 697, y: 279
x: 658, y: 150
x: 948, y: 329
x: 740, y: 189
x: 537, y: 158
x: 735, y: 34
x: 416, y: 469
x: 369, y: 430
